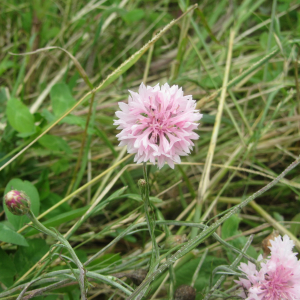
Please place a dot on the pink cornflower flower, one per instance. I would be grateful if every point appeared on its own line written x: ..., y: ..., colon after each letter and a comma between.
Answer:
x: 278, y: 277
x: 157, y: 124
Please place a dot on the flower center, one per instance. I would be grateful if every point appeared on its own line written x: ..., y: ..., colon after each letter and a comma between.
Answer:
x: 159, y: 123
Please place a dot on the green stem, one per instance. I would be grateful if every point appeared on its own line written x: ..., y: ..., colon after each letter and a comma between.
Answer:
x: 150, y: 221
x: 59, y: 237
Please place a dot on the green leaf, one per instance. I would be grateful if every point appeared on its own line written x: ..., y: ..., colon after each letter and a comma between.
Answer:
x: 26, y: 18
x: 3, y: 98
x: 278, y: 217
x: 295, y: 228
x: 27, y: 134
x: 52, y: 200
x: 55, y: 143
x: 60, y: 166
x: 48, y: 116
x: 19, y: 116
x: 26, y: 257
x: 155, y: 200
x: 74, y: 120
x: 133, y: 16
x: 8, y: 235
x: 106, y: 260
x: 211, y: 119
x: 129, y: 238
x: 5, y: 65
x: 139, y: 198
x: 31, y: 191
x: 7, y: 267
x: 43, y: 185
x: 264, y: 41
x: 230, y: 227
x: 61, y: 98
x: 185, y: 273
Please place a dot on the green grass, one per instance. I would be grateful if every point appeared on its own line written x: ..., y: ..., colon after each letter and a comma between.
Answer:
x: 57, y: 107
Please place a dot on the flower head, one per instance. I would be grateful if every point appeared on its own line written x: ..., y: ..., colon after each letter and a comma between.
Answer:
x: 17, y: 202
x: 157, y: 124
x: 278, y: 277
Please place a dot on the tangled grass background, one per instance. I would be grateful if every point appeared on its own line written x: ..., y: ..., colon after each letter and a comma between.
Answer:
x: 238, y: 60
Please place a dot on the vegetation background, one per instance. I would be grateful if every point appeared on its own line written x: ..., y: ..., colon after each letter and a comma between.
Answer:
x: 77, y: 169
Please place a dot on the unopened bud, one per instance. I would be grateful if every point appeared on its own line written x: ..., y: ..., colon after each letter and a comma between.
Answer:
x: 142, y: 186
x: 17, y: 202
x: 185, y: 292
x: 142, y: 183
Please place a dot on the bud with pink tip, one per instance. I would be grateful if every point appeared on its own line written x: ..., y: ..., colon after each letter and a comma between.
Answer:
x: 17, y: 202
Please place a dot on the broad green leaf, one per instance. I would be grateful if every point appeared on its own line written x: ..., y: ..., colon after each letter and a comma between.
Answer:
x: 48, y: 115
x: 61, y: 98
x: 55, y: 143
x: 230, y: 227
x: 19, y: 116
x: 26, y: 257
x: 31, y: 191
x: 8, y: 235
x: 133, y: 16
x: 185, y: 273
x: 26, y: 134
x: 7, y: 267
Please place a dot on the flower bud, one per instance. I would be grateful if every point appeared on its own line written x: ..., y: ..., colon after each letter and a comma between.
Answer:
x: 185, y: 292
x: 142, y: 183
x: 17, y: 202
x: 142, y: 186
